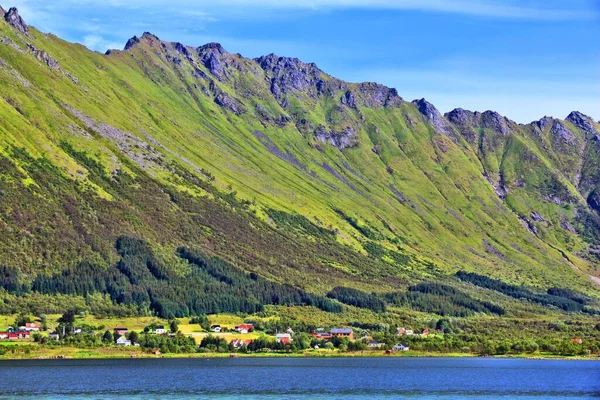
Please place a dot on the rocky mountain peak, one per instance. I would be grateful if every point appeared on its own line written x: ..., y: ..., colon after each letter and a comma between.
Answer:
x: 214, y: 57
x: 150, y: 36
x: 460, y: 116
x: 290, y: 75
x: 495, y: 121
x: 13, y: 18
x: 377, y: 95
x: 433, y: 116
x: 582, y: 122
x: 544, y: 122
x: 211, y: 48
x: 146, y: 37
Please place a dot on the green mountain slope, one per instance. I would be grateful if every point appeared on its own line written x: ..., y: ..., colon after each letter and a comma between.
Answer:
x: 279, y: 169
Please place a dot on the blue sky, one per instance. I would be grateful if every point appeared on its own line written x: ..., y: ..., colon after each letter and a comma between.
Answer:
x: 524, y: 59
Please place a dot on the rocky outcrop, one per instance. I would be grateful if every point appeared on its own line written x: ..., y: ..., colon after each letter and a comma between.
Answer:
x: 215, y: 59
x: 584, y: 123
x: 43, y: 56
x: 148, y: 37
x: 349, y: 99
x: 488, y: 119
x: 560, y: 133
x: 543, y: 123
x: 13, y: 18
x: 224, y: 100
x: 459, y: 116
x: 493, y: 120
x: 432, y: 115
x: 131, y: 43
x: 289, y: 75
x: 348, y: 137
x: 376, y: 95
x: 184, y: 51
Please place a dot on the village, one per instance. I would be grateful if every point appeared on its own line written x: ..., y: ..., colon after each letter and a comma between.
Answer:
x: 237, y: 337
x: 57, y: 335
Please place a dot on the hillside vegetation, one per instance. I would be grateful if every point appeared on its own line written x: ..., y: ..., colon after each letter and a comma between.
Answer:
x: 179, y: 181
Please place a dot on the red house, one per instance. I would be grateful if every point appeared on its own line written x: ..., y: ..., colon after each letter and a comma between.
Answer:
x: 577, y: 340
x: 244, y: 328
x: 18, y: 335
x: 121, y: 331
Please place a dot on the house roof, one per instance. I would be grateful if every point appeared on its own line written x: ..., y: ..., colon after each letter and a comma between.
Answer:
x: 345, y: 331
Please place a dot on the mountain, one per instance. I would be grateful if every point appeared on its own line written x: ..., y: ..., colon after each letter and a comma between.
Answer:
x: 133, y: 166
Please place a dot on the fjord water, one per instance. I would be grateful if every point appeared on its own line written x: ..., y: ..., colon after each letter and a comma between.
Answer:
x: 299, y: 378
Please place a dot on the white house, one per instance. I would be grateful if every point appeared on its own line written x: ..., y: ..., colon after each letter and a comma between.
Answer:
x: 400, y: 347
x: 30, y: 327
x: 409, y: 332
x: 375, y: 345
x: 160, y: 331
x: 122, y: 341
x: 284, y: 338
x: 215, y: 328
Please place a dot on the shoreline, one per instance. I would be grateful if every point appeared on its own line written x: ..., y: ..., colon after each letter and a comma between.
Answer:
x: 90, y: 354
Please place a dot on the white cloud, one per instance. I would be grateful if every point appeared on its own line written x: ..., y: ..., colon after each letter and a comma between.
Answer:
x: 99, y: 43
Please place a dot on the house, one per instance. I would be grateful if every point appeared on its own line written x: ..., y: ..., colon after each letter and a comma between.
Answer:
x: 239, y: 343
x: 17, y: 335
x: 401, y: 331
x: 156, y: 352
x: 77, y: 330
x: 577, y: 340
x: 321, y: 335
x: 120, y: 331
x: 136, y: 344
x: 215, y: 328
x: 375, y: 345
x: 342, y: 332
x: 283, y: 338
x: 53, y: 336
x: 409, y: 332
x: 30, y: 327
x: 122, y: 341
x: 3, y: 335
x: 244, y: 328
x: 425, y: 333
x: 160, y: 330
x: 400, y: 347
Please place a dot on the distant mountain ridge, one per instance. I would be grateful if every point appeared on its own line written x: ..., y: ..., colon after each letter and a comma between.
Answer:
x: 280, y: 169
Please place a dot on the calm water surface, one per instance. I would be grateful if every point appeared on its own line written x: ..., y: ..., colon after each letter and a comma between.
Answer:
x: 300, y: 378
